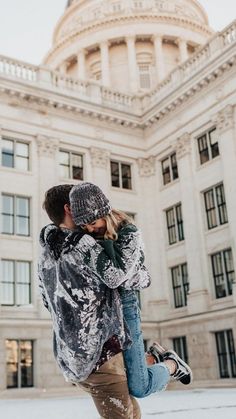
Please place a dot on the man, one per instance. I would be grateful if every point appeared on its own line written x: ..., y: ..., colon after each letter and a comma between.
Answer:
x: 89, y: 333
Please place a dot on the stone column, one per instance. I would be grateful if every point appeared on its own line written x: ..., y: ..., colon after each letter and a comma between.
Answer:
x: 225, y: 122
x: 63, y: 67
x: 194, y: 239
x: 81, y: 69
x: 105, y: 64
x: 47, y: 149
x: 159, y: 58
x: 132, y: 62
x: 47, y: 166
x: 100, y: 160
x: 183, y: 49
x: 154, y: 300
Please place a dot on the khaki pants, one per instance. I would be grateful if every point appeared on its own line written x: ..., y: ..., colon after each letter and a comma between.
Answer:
x: 109, y: 390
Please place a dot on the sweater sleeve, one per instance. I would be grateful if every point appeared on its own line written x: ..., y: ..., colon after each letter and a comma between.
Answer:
x: 127, y: 269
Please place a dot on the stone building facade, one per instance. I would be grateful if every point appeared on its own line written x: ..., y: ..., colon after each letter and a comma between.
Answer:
x: 138, y: 97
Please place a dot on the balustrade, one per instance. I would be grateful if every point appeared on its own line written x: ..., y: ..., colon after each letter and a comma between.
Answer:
x: 95, y: 93
x: 15, y: 68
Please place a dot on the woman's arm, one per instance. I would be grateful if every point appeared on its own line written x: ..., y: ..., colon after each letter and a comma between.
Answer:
x: 124, y: 262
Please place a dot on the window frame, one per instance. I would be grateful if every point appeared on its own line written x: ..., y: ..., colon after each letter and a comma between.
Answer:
x: 178, y: 224
x: 16, y: 284
x: 70, y: 166
x: 180, y: 347
x: 145, y: 76
x: 209, y: 146
x: 223, y: 273
x: 172, y: 170
x: 19, y: 364
x: 180, y: 290
x: 120, y: 177
x: 226, y: 357
x: 216, y: 215
x: 14, y: 155
x: 16, y: 216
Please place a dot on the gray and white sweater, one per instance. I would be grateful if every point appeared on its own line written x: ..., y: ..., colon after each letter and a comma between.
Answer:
x: 78, y: 282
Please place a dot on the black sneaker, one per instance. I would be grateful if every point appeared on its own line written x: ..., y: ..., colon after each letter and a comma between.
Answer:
x: 183, y: 372
x: 157, y: 351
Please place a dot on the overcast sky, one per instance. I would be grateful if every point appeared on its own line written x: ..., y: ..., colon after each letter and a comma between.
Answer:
x: 26, y: 26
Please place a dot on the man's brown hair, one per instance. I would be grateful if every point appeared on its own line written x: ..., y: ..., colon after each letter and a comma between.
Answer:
x: 55, y: 199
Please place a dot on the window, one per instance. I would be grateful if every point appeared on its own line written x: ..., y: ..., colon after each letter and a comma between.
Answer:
x: 96, y: 71
x: 215, y: 206
x: 15, y: 154
x: 19, y: 359
x: 15, y: 283
x: 180, y: 347
x: 121, y: 175
x: 223, y: 272
x: 180, y: 284
x: 138, y: 4
x: 169, y: 169
x: 175, y: 224
x: 144, y: 76
x: 226, y: 353
x: 116, y: 7
x: 208, y: 146
x: 15, y: 215
x: 71, y: 165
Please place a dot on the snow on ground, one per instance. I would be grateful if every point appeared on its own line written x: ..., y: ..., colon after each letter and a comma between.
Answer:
x: 191, y: 404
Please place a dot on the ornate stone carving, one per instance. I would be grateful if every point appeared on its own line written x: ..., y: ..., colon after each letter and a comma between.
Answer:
x: 47, y: 147
x: 224, y: 119
x: 183, y: 145
x: 147, y: 166
x: 99, y: 157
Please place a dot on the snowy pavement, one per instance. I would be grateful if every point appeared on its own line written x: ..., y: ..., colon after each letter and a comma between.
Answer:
x: 191, y: 404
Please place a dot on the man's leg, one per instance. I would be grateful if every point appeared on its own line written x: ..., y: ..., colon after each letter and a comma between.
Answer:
x: 109, y: 390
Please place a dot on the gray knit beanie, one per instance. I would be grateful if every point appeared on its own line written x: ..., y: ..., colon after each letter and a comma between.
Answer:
x: 88, y: 203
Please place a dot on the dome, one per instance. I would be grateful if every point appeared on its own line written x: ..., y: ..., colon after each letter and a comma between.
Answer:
x: 69, y: 2
x: 116, y: 41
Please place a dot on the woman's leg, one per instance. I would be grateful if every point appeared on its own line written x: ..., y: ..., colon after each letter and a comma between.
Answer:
x: 142, y: 380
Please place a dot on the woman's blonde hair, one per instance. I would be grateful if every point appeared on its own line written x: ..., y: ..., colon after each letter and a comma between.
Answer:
x: 114, y: 220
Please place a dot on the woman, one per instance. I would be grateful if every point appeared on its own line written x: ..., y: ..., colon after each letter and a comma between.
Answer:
x: 91, y: 210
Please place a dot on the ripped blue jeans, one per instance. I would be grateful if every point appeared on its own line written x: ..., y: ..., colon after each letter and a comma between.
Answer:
x: 142, y: 380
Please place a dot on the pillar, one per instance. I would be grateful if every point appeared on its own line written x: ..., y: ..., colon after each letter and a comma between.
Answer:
x: 159, y: 57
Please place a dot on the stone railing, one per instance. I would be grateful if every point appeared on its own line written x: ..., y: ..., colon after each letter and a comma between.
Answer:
x: 229, y: 34
x: 92, y: 92
x: 18, y: 69
x: 216, y: 46
x: 89, y: 91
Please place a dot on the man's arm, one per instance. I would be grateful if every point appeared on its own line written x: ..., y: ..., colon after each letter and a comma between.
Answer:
x: 42, y: 292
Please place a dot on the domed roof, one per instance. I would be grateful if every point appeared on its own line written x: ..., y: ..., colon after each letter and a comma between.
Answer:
x: 69, y: 2
x: 188, y: 8
x: 178, y: 27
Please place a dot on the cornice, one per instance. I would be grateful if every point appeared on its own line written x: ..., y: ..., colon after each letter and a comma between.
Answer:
x: 38, y: 100
x: 110, y: 21
x: 49, y: 91
x: 154, y: 117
